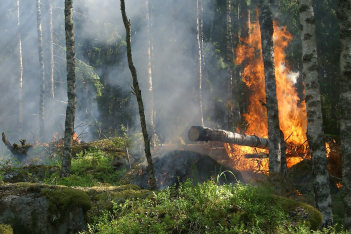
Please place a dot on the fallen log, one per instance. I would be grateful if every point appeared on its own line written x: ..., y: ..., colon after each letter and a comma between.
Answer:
x: 198, y: 133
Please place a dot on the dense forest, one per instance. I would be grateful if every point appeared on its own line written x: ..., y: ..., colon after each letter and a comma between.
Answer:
x: 229, y: 70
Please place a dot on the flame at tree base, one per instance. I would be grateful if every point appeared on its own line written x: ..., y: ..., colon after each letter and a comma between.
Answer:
x: 292, y: 111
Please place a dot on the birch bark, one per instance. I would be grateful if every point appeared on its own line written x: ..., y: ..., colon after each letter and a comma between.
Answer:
x: 42, y: 74
x: 315, y: 134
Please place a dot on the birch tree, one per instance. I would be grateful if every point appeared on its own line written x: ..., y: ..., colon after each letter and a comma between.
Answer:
x: 20, y: 73
x: 71, y: 90
x: 52, y: 65
x: 315, y: 134
x: 137, y: 93
x: 199, y: 61
x: 266, y: 25
x: 344, y: 17
x: 42, y: 74
x: 149, y: 74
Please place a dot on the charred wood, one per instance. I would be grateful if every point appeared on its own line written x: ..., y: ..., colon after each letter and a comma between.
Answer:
x: 19, y: 151
x: 198, y: 133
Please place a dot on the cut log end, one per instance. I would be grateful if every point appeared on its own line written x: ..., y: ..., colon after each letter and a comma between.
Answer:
x: 194, y: 133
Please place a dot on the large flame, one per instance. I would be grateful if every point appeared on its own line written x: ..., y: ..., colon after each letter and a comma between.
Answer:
x: 292, y: 112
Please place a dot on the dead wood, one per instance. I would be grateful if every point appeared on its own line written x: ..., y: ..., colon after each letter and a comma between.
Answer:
x: 19, y: 151
x: 198, y: 133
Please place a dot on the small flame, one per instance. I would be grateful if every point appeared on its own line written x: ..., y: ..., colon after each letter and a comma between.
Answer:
x: 327, y: 149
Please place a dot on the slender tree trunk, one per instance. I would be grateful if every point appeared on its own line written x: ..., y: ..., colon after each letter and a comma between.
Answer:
x: 137, y: 92
x: 266, y: 25
x: 52, y: 64
x: 344, y: 17
x: 199, y: 61
x: 20, y: 73
x: 42, y: 73
x: 149, y: 74
x: 237, y: 83
x: 71, y: 90
x: 315, y: 132
x: 245, y: 33
x: 229, y: 58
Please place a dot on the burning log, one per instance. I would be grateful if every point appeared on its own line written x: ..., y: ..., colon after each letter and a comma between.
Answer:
x: 19, y: 151
x: 198, y: 133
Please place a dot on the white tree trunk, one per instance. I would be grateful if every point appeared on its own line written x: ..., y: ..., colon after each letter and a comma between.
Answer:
x: 20, y: 74
x: 315, y: 134
x: 42, y: 73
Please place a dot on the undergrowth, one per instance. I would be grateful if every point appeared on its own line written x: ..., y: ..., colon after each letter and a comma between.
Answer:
x: 90, y: 168
x: 206, y: 208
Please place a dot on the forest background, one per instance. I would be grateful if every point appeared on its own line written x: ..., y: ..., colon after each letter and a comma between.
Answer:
x: 105, y: 104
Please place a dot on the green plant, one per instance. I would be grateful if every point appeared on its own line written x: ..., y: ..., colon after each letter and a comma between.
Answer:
x: 206, y: 208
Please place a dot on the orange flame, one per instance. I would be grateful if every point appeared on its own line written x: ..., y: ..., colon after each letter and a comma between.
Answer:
x: 292, y: 112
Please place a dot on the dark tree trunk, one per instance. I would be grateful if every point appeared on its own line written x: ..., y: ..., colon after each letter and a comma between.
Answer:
x: 137, y: 93
x: 344, y: 17
x: 315, y: 134
x: 198, y: 133
x: 229, y: 61
x: 42, y: 73
x: 71, y: 90
x: 266, y: 24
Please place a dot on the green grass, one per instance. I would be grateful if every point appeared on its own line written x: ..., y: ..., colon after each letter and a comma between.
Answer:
x: 206, y: 208
x: 89, y: 169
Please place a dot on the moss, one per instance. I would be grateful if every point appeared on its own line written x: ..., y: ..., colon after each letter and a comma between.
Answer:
x: 314, y: 217
x: 5, y: 229
x: 103, y: 197
x: 61, y: 199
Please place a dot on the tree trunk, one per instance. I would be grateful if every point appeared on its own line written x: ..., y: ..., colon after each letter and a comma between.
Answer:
x: 71, y: 90
x: 20, y: 74
x: 149, y: 73
x: 344, y: 17
x: 315, y: 132
x: 52, y: 65
x: 42, y: 73
x: 199, y: 61
x: 198, y: 133
x: 266, y: 25
x: 229, y: 61
x: 137, y: 93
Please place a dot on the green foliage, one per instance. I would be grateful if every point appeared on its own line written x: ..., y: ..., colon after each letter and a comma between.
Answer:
x: 206, y: 208
x: 90, y: 168
x: 5, y: 229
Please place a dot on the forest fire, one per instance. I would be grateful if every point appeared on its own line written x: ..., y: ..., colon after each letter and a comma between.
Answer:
x: 292, y: 111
